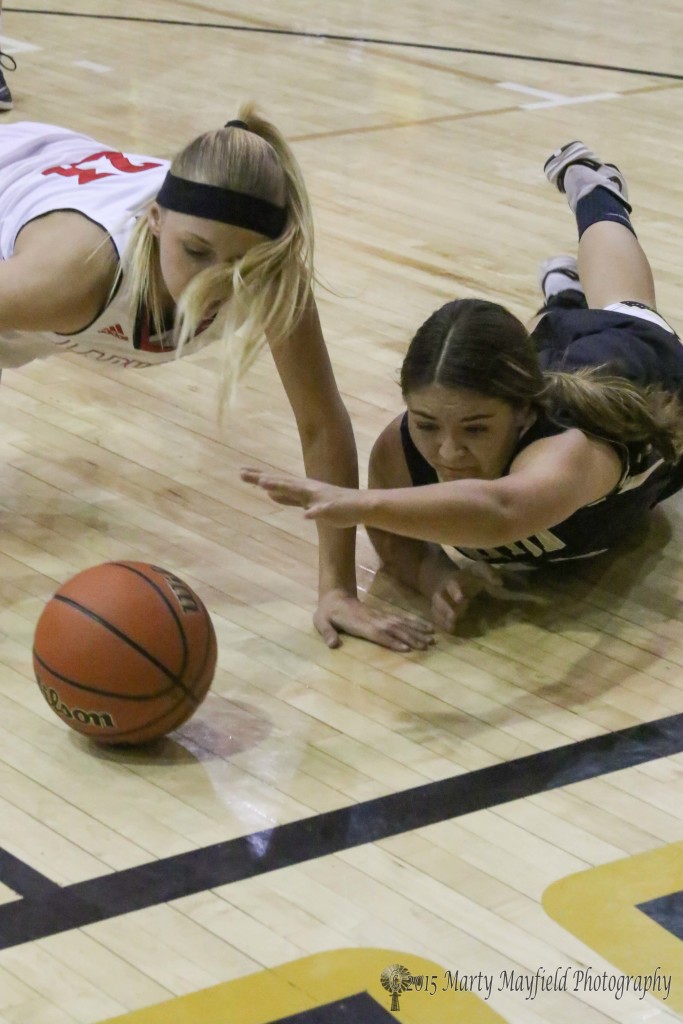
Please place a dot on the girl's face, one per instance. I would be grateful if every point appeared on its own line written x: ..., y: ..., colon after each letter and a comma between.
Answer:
x: 463, y: 434
x: 188, y: 245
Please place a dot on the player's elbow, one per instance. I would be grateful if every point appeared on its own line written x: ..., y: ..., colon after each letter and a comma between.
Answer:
x: 329, y: 447
x: 496, y: 520
x: 509, y: 523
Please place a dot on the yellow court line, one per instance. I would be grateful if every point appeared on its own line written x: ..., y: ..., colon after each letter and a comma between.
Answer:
x: 600, y: 907
x: 314, y: 982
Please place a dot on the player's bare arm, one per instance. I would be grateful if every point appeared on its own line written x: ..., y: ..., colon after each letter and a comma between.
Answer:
x: 556, y: 477
x: 329, y: 452
x: 59, y: 277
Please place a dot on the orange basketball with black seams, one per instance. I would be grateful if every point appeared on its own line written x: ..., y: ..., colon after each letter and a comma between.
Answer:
x: 124, y: 652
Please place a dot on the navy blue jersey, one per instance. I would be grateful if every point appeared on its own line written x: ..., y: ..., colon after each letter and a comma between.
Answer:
x: 633, y: 348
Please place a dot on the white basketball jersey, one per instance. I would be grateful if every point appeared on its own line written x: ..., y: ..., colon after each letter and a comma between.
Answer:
x: 44, y: 168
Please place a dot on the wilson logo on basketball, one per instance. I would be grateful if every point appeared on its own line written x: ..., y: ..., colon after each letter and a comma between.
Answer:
x: 186, y: 598
x: 100, y: 719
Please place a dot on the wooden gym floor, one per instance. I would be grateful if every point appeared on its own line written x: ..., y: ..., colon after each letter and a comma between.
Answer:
x: 504, y: 808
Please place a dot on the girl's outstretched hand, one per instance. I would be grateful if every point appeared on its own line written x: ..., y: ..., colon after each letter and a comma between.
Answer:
x: 337, y: 506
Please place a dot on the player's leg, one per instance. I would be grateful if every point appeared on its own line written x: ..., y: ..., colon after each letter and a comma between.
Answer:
x: 8, y: 64
x: 612, y: 265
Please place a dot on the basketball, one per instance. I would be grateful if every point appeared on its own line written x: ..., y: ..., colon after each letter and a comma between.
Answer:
x: 124, y: 652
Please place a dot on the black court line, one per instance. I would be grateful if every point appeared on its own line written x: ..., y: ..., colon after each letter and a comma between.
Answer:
x: 335, y: 37
x: 23, y: 880
x: 667, y: 911
x: 54, y: 909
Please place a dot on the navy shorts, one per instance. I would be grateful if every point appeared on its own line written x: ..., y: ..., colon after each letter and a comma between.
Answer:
x: 626, y: 345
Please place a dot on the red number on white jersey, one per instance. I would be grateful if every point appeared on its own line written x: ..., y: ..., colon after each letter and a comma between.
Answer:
x: 102, y: 165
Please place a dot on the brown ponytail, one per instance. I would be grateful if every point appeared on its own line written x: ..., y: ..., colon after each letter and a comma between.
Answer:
x: 615, y: 409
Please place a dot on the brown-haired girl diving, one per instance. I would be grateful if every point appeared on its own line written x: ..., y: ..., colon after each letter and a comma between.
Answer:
x: 521, y: 448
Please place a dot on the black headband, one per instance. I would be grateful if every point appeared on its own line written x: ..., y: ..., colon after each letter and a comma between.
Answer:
x: 222, y: 204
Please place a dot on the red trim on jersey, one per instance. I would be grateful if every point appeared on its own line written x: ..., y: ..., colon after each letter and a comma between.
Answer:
x: 143, y: 341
